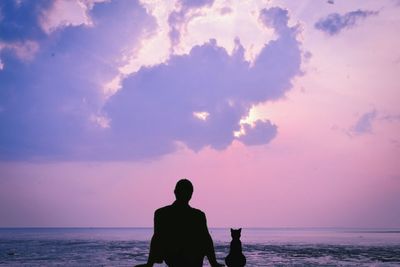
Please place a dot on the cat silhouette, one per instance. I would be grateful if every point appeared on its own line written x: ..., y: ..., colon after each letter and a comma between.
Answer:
x: 235, y: 257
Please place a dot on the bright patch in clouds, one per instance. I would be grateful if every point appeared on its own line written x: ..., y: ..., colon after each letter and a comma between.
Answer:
x: 203, y: 115
x: 65, y: 13
x: 101, y: 121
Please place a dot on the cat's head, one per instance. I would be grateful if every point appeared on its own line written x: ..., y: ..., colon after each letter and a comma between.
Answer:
x: 236, y: 233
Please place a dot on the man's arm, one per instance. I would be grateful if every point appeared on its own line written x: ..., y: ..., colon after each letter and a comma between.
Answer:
x: 210, y: 252
x: 155, y: 244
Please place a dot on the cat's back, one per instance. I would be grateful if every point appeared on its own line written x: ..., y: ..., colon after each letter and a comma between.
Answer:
x: 235, y: 257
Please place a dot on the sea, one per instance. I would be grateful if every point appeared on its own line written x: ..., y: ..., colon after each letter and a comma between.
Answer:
x: 261, y: 246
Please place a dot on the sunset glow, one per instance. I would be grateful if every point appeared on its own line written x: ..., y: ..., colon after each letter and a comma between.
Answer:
x: 282, y: 113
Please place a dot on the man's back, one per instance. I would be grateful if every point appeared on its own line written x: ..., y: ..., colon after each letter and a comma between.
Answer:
x: 181, y: 232
x: 181, y: 236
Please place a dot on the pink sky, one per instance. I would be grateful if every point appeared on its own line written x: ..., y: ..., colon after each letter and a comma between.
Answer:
x: 334, y: 161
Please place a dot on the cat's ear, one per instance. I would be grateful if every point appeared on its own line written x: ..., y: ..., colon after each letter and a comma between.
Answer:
x: 231, y: 230
x: 240, y: 230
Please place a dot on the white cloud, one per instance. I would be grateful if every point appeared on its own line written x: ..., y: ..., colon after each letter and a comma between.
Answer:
x: 24, y: 50
x: 201, y: 115
x: 199, y: 24
x: 67, y: 13
x: 100, y: 120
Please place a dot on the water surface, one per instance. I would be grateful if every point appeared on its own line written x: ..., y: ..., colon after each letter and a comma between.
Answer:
x: 261, y: 246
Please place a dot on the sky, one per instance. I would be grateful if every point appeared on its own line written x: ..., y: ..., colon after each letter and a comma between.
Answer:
x: 282, y: 113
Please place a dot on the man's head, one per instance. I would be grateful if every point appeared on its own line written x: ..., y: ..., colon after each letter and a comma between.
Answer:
x: 183, y: 190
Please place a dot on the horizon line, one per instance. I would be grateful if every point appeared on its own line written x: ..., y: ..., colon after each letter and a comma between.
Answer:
x: 210, y: 227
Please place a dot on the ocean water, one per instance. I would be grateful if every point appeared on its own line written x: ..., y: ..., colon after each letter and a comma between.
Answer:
x: 262, y: 247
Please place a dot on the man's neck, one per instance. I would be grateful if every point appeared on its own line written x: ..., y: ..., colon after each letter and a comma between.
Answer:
x: 181, y: 203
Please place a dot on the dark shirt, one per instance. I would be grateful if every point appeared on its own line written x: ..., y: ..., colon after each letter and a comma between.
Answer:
x: 181, y: 237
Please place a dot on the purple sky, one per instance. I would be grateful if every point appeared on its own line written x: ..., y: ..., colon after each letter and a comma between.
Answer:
x: 282, y: 113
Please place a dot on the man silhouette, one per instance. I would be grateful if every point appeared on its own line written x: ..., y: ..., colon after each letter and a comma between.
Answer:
x: 181, y: 236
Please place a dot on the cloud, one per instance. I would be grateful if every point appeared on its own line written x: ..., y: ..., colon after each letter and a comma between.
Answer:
x: 155, y: 106
x: 65, y: 13
x: 364, y: 123
x: 225, y: 10
x: 261, y: 133
x: 276, y: 18
x: 335, y: 23
x: 391, y: 117
x: 50, y: 104
x: 25, y: 50
x: 178, y: 19
x: 20, y: 28
x: 21, y: 22
x: 53, y: 107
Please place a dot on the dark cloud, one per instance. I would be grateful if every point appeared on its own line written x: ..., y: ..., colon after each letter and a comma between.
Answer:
x: 391, y: 117
x: 335, y: 23
x: 46, y: 104
x: 364, y: 123
x: 261, y: 133
x: 276, y: 18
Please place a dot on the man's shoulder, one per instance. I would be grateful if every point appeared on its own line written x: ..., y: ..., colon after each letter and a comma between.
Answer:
x: 163, y: 209
x: 198, y: 212
x: 169, y: 208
